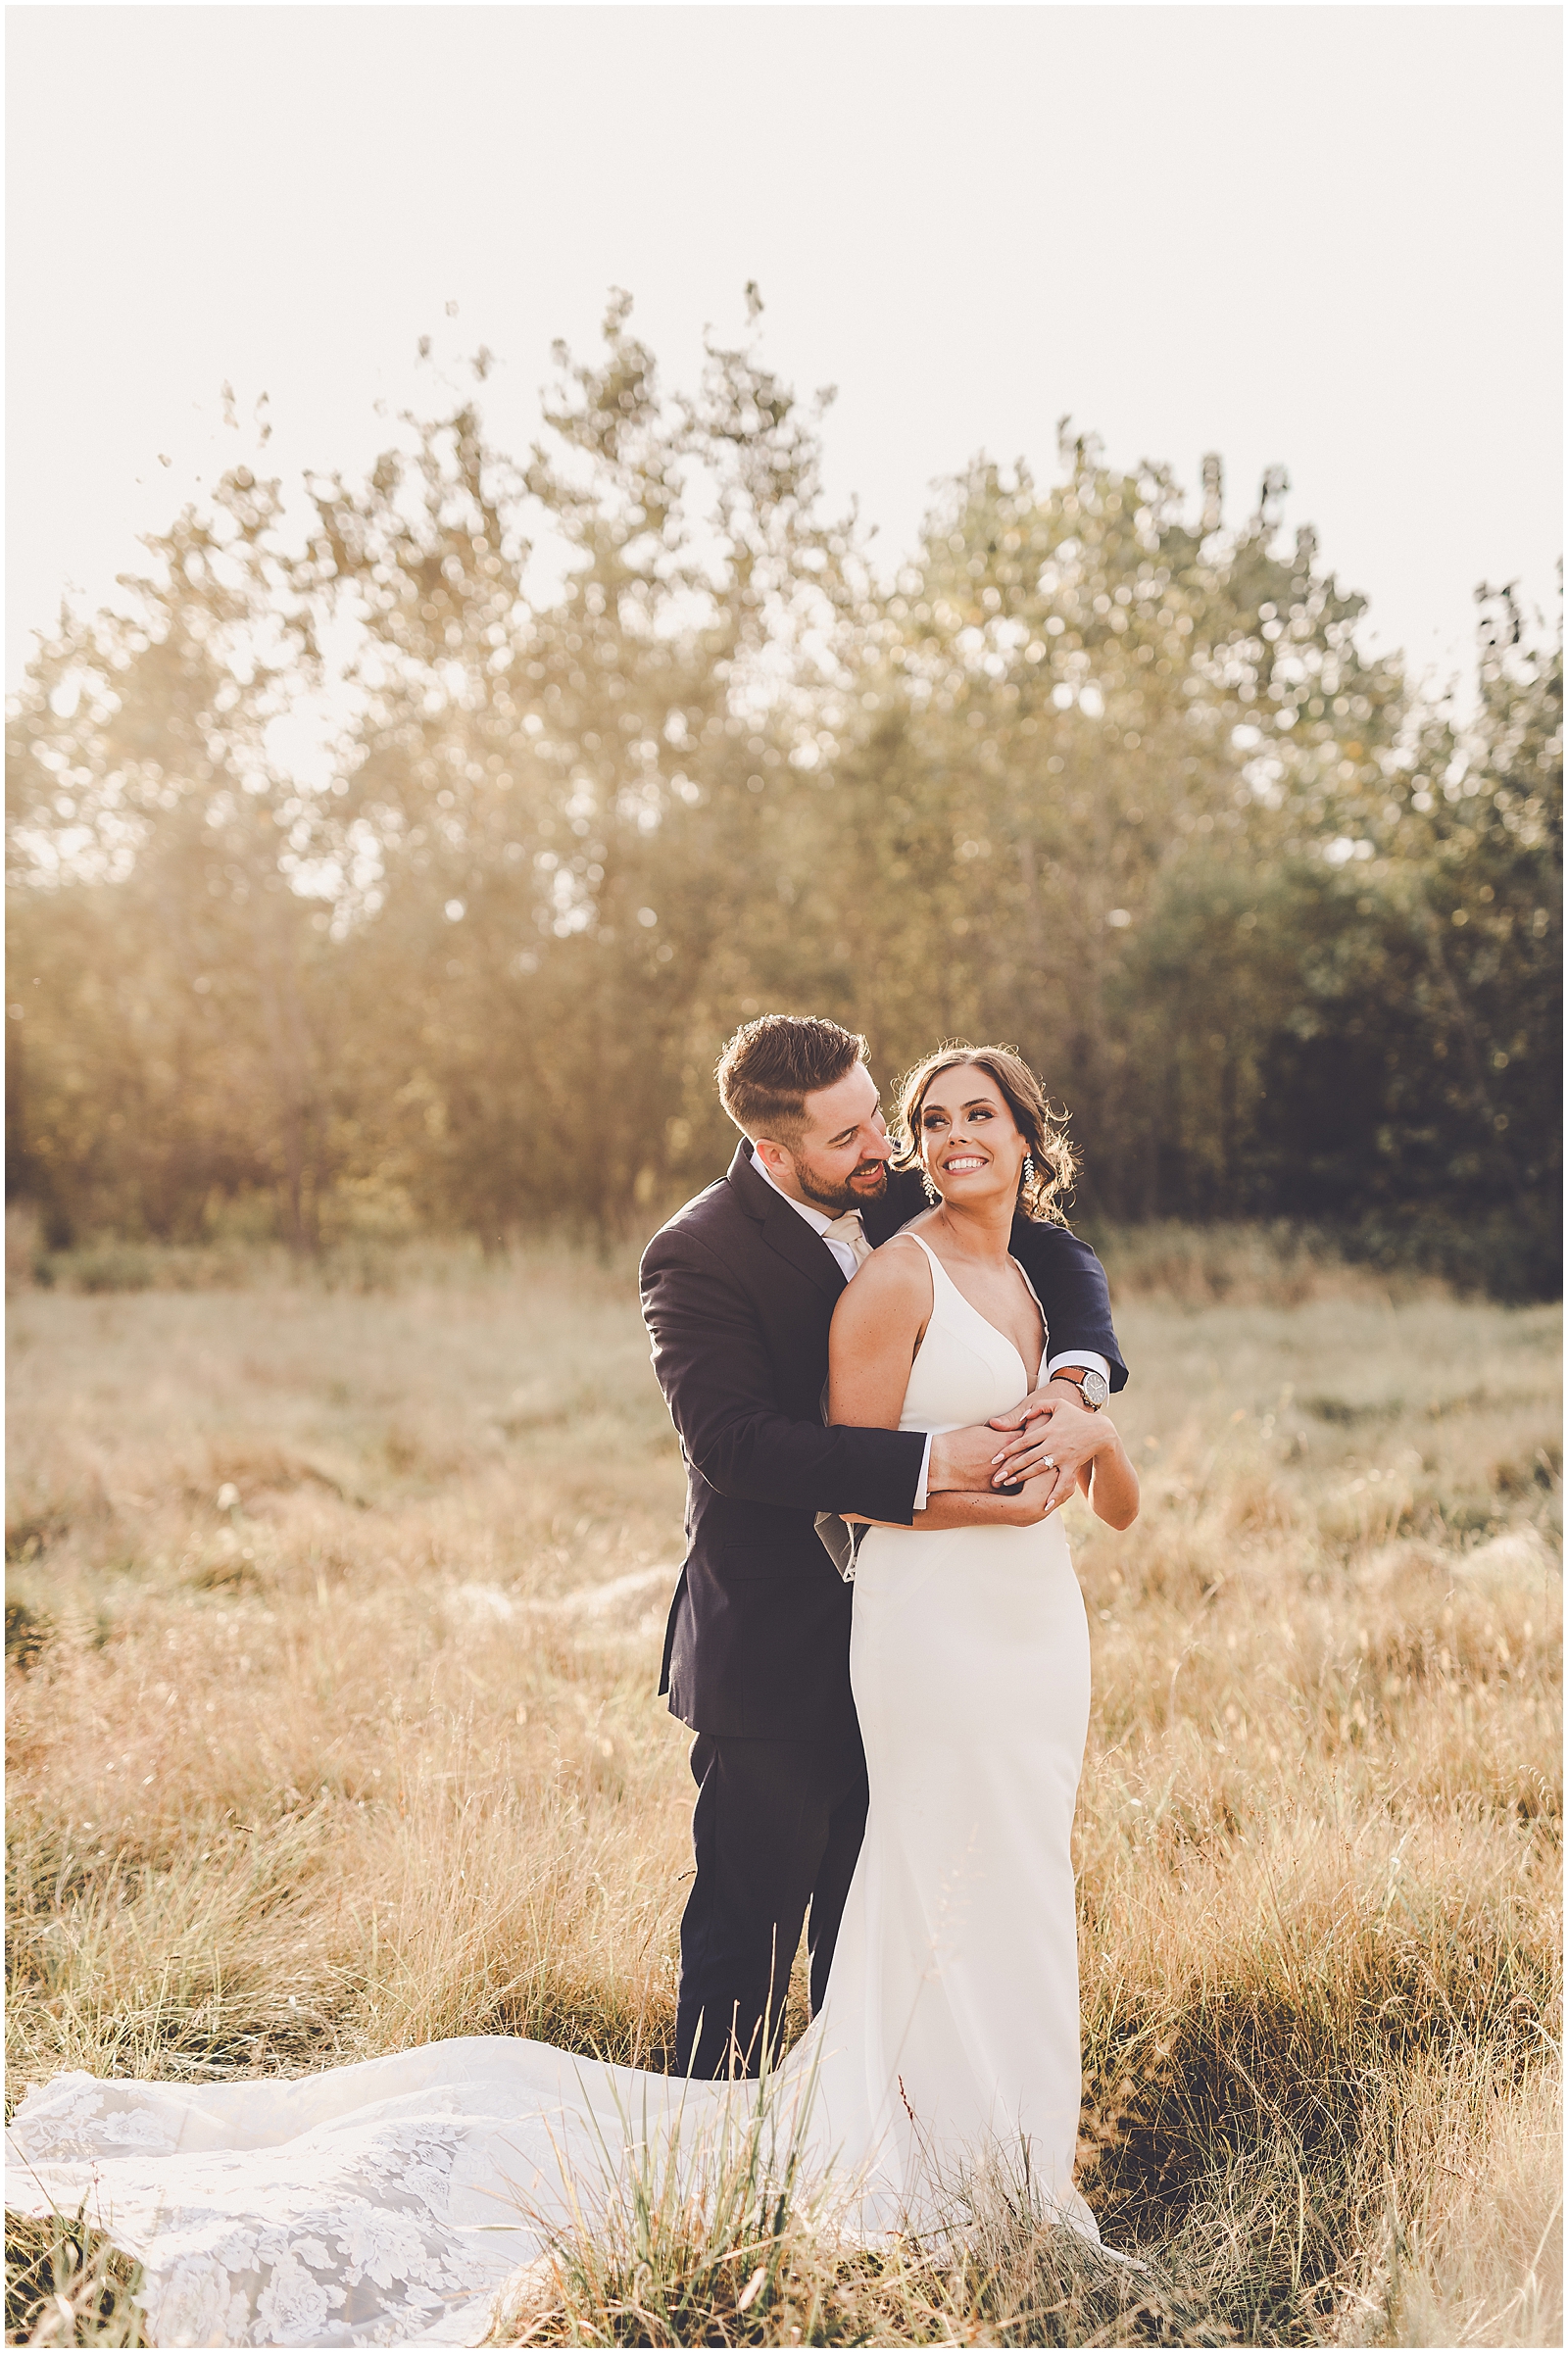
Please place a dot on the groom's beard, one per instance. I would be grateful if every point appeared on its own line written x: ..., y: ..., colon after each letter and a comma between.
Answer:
x: 863, y: 1186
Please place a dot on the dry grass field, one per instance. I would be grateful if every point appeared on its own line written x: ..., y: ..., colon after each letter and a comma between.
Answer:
x: 332, y: 1632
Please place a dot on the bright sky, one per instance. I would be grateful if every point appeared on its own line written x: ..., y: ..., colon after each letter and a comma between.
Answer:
x: 1327, y: 236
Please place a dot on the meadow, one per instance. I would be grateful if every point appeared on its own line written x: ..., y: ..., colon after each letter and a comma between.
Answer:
x: 334, y: 1620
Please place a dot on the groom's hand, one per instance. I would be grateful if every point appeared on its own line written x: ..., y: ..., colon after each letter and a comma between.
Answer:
x: 963, y: 1459
x: 972, y: 1459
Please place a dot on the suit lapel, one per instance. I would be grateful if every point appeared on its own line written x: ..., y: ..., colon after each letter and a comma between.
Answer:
x: 782, y: 1230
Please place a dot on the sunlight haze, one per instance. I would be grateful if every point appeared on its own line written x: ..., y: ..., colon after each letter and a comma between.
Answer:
x: 1322, y: 237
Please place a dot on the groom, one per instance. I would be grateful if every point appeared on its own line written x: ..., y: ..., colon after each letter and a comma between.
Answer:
x: 738, y: 1292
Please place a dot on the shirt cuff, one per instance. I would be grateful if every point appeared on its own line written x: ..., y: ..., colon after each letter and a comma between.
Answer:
x: 921, y: 1495
x: 1096, y: 1364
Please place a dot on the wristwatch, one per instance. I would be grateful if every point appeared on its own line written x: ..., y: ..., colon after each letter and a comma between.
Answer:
x: 1092, y: 1388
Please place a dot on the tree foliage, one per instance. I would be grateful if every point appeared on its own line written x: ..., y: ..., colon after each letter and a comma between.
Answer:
x: 415, y: 863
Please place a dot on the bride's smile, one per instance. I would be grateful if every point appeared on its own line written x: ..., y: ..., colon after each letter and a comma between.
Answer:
x: 970, y: 1166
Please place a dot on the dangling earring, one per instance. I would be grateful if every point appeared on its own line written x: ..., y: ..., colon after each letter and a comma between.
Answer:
x: 1028, y: 1168
x: 931, y: 1192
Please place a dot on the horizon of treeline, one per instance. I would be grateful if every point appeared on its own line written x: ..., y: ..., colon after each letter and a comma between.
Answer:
x: 406, y: 870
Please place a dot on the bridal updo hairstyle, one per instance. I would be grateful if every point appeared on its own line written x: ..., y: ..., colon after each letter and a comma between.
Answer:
x: 770, y: 1066
x: 1044, y: 1131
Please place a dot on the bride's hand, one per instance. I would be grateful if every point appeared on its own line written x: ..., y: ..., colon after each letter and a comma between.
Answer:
x: 1049, y: 1438
x: 1090, y: 1459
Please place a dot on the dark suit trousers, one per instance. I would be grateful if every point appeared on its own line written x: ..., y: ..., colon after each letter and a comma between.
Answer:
x: 777, y: 1829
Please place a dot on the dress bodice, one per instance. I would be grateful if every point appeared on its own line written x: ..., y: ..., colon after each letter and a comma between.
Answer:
x: 964, y: 1369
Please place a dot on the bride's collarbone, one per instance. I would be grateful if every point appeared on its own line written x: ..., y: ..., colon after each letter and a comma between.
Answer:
x: 999, y: 1292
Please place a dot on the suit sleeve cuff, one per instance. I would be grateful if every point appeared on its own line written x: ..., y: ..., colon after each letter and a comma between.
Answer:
x: 1096, y: 1364
x: 921, y: 1495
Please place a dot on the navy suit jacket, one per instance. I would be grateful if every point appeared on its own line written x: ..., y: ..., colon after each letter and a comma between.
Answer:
x: 738, y: 1293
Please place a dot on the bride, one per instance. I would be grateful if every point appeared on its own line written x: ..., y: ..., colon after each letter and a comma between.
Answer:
x: 956, y: 1976
x: 385, y: 2203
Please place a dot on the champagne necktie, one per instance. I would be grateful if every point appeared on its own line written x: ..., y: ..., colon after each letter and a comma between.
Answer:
x: 849, y: 1228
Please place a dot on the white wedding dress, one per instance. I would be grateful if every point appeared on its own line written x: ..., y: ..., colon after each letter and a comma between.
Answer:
x: 385, y: 2203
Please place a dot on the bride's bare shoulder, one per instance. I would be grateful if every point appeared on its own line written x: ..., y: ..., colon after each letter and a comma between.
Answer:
x: 893, y: 1277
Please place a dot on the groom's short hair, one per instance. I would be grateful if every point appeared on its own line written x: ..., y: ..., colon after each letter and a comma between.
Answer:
x: 772, y: 1064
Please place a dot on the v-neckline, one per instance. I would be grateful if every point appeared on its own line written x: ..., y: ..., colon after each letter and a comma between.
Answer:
x: 1005, y: 1339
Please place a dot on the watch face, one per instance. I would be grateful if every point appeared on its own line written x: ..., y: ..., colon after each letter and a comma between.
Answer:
x: 1096, y: 1388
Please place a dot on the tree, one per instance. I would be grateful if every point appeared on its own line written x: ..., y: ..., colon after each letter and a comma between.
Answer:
x: 427, y: 857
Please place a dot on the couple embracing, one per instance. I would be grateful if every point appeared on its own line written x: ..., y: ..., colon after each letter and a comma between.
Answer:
x: 887, y: 1373
x: 887, y: 1379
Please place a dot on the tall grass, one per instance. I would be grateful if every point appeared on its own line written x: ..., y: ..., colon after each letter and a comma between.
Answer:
x: 68, y: 2284
x: 333, y: 1624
